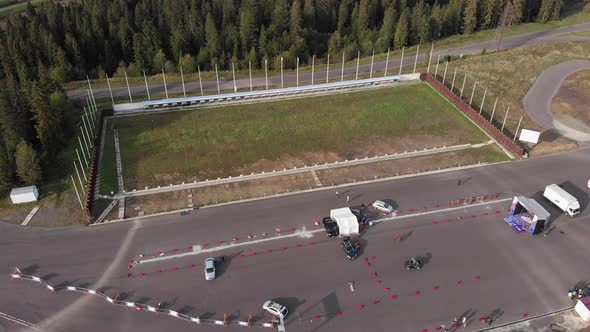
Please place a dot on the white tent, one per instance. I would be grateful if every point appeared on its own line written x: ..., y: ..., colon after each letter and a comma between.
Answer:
x: 583, y: 308
x: 24, y: 195
x: 347, y: 222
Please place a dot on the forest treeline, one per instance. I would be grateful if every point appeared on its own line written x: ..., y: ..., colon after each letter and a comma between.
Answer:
x: 45, y: 46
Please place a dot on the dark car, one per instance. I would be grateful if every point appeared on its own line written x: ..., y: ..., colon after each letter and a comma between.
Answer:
x: 351, y: 248
x: 331, y: 227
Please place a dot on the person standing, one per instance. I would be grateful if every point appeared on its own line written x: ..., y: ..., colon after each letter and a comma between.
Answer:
x: 337, y: 194
x: 347, y: 198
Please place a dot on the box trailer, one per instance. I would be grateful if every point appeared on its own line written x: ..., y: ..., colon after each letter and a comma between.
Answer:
x: 562, y: 199
x: 24, y: 195
x: 346, y: 220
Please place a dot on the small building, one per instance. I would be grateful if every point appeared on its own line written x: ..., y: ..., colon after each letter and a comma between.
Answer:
x: 24, y: 195
x: 527, y: 215
x: 583, y: 308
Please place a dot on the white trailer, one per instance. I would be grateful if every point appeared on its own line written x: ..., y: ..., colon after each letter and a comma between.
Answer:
x: 346, y: 220
x: 24, y: 195
x: 562, y: 199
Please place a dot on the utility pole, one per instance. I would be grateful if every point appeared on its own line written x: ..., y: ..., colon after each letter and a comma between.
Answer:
x: 401, y: 63
x: 182, y: 78
x: 110, y: 90
x: 146, y: 86
x: 416, y: 61
x: 372, y: 60
x: 342, y: 70
x: 217, y: 78
x: 328, y: 69
x: 358, y: 59
x: 200, y: 82
x: 386, y: 63
x: 165, y: 87
x: 312, y: 67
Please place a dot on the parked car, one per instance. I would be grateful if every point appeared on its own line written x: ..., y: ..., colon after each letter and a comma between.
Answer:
x: 275, y: 309
x: 351, y: 249
x: 413, y: 264
x: 331, y: 227
x: 382, y: 206
x: 209, y: 269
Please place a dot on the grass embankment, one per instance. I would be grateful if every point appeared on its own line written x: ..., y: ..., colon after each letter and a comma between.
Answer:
x: 573, y: 13
x: 150, y: 204
x: 58, y: 203
x: 160, y: 149
x: 509, y: 75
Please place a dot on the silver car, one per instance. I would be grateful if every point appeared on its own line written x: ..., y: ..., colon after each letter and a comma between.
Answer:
x: 209, y: 269
x: 382, y: 206
x: 275, y: 309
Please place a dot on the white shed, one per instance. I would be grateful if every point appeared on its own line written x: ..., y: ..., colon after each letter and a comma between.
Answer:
x: 24, y: 194
x: 583, y: 308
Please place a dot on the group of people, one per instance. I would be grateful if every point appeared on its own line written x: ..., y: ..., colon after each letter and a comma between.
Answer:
x: 578, y: 293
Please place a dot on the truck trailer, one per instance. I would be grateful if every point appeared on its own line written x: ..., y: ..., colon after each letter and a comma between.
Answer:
x: 562, y: 199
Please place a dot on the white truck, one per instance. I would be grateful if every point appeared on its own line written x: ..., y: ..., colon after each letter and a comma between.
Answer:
x: 347, y: 222
x: 562, y: 199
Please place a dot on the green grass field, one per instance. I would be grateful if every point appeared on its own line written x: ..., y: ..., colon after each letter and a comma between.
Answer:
x: 160, y: 149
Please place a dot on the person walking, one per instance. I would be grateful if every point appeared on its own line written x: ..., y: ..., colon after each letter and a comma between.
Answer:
x: 337, y: 194
x: 347, y: 198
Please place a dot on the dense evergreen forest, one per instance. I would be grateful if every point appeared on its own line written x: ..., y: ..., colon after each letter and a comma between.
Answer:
x: 58, y: 42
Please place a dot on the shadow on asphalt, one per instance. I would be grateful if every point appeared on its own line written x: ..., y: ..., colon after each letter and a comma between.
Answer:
x: 425, y: 259
x: 577, y: 192
x: 220, y: 268
x: 31, y: 269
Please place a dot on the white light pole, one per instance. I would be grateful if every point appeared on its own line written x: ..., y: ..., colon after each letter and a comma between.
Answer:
x: 82, y: 149
x: 128, y: 89
x: 250, y: 73
x: 454, y: 75
x: 200, y: 82
x: 401, y: 61
x: 472, y: 93
x: 312, y: 67
x: 342, y: 69
x: 217, y: 78
x: 182, y: 78
x: 89, y: 140
x: 77, y: 194
x: 372, y: 60
x: 436, y: 70
x: 79, y: 179
x: 517, y: 128
x: 483, y: 100
x: 282, y: 72
x: 110, y: 90
x: 91, y: 92
x: 328, y: 69
x: 358, y: 59
x: 430, y: 58
x: 416, y: 61
x: 297, y: 71
x: 494, y: 110
x: 505, y: 116
x: 266, y: 72
x: 445, y: 74
x: 146, y: 86
x: 81, y: 165
x: 386, y: 63
x: 164, y: 78
x: 463, y: 86
x: 233, y: 71
x: 85, y: 142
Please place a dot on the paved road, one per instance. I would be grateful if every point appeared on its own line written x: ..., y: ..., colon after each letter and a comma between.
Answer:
x: 519, y: 274
x: 539, y: 37
x: 537, y: 101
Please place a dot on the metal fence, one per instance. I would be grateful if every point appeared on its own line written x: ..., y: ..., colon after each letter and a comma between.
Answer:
x: 173, y: 103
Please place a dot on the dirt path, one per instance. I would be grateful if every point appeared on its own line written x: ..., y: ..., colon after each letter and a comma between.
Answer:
x: 537, y: 102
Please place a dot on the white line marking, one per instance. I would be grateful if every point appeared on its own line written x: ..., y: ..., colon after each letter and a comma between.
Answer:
x: 303, y: 233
